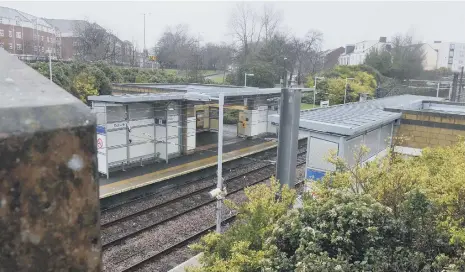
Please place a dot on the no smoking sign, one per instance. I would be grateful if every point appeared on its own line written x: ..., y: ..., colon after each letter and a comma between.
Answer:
x: 99, y: 143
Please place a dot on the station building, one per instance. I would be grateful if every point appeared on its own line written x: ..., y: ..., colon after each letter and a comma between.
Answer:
x: 418, y: 121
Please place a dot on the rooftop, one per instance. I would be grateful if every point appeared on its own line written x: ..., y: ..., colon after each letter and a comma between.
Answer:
x: 147, y: 97
x: 205, y: 90
x: 65, y: 26
x: 14, y: 14
x: 353, y: 118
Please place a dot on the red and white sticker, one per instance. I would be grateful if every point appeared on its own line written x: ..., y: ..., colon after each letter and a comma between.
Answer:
x: 99, y: 143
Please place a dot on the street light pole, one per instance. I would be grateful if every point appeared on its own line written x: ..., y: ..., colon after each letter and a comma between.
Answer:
x: 245, y: 78
x: 345, y: 91
x: 50, y: 64
x: 314, y: 92
x: 219, y: 201
x: 144, y: 32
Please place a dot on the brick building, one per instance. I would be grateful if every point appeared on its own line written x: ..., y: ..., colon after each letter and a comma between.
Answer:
x: 31, y: 38
x: 431, y: 123
x: 67, y: 39
x: 120, y: 51
x: 27, y: 36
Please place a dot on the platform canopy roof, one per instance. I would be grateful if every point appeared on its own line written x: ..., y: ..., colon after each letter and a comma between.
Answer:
x: 147, y: 97
x: 354, y: 118
x: 190, y: 92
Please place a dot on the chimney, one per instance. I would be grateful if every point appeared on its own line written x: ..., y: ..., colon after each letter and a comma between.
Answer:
x: 382, y: 39
x: 437, y: 41
x: 350, y: 48
x: 363, y: 97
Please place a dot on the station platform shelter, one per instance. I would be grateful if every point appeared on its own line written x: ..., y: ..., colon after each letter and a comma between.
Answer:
x: 343, y: 129
x: 142, y: 123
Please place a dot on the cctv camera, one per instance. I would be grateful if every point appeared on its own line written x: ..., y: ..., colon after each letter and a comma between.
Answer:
x: 215, y: 193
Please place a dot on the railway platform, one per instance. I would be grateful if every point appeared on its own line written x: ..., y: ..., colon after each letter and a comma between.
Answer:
x: 192, y: 262
x: 139, y: 177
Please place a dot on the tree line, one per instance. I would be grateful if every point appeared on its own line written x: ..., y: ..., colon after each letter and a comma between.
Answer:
x: 83, y: 79
x: 262, y: 46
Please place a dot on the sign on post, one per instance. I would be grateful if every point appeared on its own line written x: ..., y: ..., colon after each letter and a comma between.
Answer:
x: 324, y: 104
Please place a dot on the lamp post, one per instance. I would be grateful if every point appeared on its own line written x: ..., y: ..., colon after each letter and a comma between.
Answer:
x: 345, y: 91
x: 245, y: 78
x: 314, y: 92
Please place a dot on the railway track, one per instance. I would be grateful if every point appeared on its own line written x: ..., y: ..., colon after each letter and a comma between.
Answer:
x: 187, y: 240
x: 185, y: 206
x: 195, y: 200
x: 195, y: 180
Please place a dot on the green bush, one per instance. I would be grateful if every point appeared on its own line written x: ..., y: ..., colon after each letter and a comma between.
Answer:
x: 353, y: 232
x: 99, y: 76
x: 394, y: 214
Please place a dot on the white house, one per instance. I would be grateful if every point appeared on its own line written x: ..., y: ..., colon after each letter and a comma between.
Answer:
x: 356, y: 53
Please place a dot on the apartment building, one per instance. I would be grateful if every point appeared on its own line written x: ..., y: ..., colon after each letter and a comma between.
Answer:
x: 30, y: 37
x: 450, y: 55
x: 120, y: 52
x: 27, y: 36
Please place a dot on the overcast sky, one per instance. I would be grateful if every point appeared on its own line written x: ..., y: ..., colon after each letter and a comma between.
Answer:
x: 340, y: 22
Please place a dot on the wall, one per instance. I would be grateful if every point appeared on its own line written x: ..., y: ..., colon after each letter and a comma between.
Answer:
x: 67, y: 48
x: 428, y: 129
x: 431, y: 57
x: 27, y: 40
x: 377, y: 141
x: 444, y: 55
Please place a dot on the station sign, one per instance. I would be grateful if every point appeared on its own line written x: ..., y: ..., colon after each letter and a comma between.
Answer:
x: 116, y: 125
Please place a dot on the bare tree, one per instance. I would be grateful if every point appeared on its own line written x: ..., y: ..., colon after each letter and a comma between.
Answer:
x: 270, y: 20
x: 93, y: 42
x: 243, y: 24
x: 307, y: 53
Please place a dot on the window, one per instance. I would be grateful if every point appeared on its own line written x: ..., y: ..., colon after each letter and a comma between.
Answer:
x: 42, y: 38
x: 47, y: 39
x: 2, y: 44
x: 2, y: 33
x: 10, y: 45
x: 18, y: 46
x: 18, y: 35
x: 35, y: 48
x: 452, y: 46
x: 450, y: 60
x: 1, y: 21
x: 42, y: 49
x: 10, y: 33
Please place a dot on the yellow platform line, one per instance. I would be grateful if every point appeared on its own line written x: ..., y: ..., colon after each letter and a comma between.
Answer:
x: 179, y: 170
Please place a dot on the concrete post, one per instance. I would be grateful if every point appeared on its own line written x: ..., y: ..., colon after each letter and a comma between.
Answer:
x: 49, y: 204
x: 288, y: 136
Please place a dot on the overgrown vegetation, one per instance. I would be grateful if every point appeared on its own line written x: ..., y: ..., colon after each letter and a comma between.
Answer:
x: 331, y: 85
x: 84, y: 79
x: 393, y: 214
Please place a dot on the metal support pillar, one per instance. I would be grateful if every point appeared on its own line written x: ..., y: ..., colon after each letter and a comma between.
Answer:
x: 460, y: 86
x: 288, y: 136
x: 219, y: 201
